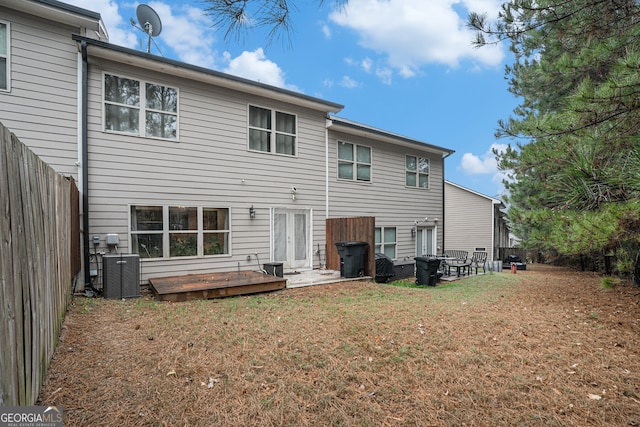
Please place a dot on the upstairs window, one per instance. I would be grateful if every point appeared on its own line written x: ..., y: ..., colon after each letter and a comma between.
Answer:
x: 354, y: 162
x: 416, y: 172
x: 272, y: 131
x: 128, y: 103
x: 5, y: 71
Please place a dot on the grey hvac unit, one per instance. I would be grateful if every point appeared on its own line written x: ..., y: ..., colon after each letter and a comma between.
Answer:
x: 121, y: 275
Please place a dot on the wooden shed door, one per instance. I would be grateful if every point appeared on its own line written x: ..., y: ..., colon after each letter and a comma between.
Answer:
x: 291, y: 237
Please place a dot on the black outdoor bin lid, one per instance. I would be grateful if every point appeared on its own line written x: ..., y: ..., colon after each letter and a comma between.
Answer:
x: 351, y: 243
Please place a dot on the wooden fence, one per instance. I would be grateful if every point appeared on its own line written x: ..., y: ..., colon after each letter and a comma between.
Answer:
x: 360, y: 229
x: 39, y: 257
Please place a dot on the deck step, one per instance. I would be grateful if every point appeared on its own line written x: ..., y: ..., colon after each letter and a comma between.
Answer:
x: 213, y: 285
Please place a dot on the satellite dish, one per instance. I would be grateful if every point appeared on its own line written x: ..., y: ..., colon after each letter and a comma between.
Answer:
x: 149, y: 21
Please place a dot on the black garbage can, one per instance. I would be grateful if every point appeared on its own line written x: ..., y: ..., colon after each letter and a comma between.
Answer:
x: 384, y: 268
x: 427, y: 271
x: 352, y: 257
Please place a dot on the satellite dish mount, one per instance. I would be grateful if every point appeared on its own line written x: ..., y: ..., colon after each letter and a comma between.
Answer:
x: 149, y: 22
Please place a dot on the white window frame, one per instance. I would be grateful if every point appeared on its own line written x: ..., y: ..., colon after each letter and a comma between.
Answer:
x: 417, y: 172
x: 7, y: 56
x: 355, y: 163
x: 166, y: 232
x: 142, y: 108
x: 273, y: 132
x: 380, y: 246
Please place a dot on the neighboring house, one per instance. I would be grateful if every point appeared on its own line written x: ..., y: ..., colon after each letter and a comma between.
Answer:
x: 474, y: 222
x: 200, y: 171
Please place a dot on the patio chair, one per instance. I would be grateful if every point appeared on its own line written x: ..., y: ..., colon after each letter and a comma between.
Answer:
x: 479, y: 260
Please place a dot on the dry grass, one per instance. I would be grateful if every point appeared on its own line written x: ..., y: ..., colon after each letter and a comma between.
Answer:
x: 546, y: 347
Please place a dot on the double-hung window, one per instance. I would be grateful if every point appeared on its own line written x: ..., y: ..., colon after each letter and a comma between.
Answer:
x: 354, y: 162
x: 5, y: 70
x: 140, y: 108
x: 272, y: 131
x: 179, y: 231
x: 386, y: 241
x: 416, y: 172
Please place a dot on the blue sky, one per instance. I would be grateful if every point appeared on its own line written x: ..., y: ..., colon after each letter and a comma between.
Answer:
x: 404, y: 66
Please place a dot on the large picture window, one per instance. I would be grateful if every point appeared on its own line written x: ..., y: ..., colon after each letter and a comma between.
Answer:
x: 354, y: 162
x: 386, y: 241
x: 5, y: 73
x: 140, y: 108
x: 179, y: 231
x: 272, y: 131
x: 416, y: 172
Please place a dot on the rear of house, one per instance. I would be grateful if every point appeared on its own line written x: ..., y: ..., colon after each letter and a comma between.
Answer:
x: 225, y: 174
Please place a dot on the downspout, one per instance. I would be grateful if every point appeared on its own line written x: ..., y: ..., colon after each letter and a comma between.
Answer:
x: 328, y: 123
x: 493, y: 231
x: 85, y: 163
x: 443, y: 210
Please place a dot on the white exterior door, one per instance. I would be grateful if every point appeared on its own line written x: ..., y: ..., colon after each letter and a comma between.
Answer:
x: 291, y: 238
x: 425, y: 241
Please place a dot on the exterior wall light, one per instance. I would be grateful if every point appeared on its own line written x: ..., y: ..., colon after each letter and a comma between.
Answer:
x: 252, y: 212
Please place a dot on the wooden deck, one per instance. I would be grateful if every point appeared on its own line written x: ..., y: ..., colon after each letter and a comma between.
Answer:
x: 213, y: 285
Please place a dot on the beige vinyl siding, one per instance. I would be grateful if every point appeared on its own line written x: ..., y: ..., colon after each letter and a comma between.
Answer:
x: 41, y: 108
x: 469, y: 220
x: 205, y: 168
x: 386, y: 197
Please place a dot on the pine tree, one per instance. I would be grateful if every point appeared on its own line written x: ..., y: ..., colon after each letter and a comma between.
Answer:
x: 574, y: 186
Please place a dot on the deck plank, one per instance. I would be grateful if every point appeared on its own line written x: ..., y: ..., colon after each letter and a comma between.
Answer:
x: 213, y: 285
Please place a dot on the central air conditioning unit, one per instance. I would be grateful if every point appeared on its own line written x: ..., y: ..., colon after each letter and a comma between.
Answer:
x: 121, y: 275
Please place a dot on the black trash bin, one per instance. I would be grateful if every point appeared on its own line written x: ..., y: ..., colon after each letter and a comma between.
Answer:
x: 352, y: 257
x: 384, y: 268
x: 427, y: 271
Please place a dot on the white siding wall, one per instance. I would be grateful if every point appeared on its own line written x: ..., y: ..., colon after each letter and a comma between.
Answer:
x: 205, y: 168
x: 41, y: 108
x: 468, y: 220
x: 386, y: 197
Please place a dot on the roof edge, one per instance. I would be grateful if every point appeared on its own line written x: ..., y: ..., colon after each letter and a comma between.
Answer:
x: 361, y: 128
x: 182, y: 69
x: 493, y: 199
x: 57, y: 11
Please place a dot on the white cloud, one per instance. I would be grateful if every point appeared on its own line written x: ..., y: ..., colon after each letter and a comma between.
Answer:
x: 349, y: 83
x: 255, y: 66
x: 118, y: 27
x: 367, y: 63
x: 481, y: 165
x: 485, y: 164
x: 326, y: 31
x: 185, y: 29
x: 412, y: 33
x: 385, y: 75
